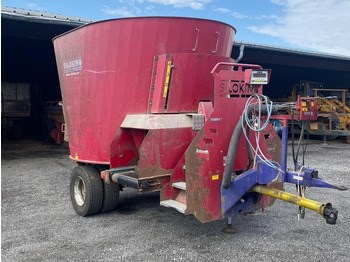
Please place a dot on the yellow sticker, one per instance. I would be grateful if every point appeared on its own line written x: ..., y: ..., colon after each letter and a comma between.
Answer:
x: 215, y: 177
x: 303, y: 103
x: 312, y: 103
x: 167, y: 78
x: 304, y: 108
x: 76, y: 156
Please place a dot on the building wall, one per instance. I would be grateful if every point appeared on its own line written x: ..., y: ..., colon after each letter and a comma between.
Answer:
x: 28, y: 57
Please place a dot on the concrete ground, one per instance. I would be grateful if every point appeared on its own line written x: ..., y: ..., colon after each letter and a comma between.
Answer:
x: 38, y: 222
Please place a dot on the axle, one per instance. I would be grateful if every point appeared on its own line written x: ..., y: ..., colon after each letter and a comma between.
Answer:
x: 324, y: 209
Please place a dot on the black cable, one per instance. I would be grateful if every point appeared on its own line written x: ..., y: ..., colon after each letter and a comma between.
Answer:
x: 308, y: 133
x: 306, y: 143
x: 293, y: 153
x: 301, y: 138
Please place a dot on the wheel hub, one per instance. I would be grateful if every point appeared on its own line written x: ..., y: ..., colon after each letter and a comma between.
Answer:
x: 79, y: 191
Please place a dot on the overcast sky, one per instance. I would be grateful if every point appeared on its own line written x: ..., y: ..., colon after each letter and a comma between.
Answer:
x: 317, y: 25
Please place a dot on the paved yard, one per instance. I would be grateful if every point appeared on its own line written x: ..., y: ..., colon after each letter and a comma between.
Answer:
x: 39, y: 223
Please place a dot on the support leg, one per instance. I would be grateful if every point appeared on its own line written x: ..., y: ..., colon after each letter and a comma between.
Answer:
x: 229, y: 229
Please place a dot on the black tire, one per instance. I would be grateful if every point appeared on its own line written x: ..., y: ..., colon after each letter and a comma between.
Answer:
x: 86, y: 190
x: 110, y: 194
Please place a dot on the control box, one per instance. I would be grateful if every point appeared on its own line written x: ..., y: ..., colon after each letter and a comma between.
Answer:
x: 307, y: 107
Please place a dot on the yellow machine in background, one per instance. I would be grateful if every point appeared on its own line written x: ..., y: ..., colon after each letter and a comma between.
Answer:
x: 333, y: 113
x: 329, y: 105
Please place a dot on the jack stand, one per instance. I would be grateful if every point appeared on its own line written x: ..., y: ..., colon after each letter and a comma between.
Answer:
x: 229, y: 229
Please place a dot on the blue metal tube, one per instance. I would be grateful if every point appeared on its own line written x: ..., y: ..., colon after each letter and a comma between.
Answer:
x: 284, y: 149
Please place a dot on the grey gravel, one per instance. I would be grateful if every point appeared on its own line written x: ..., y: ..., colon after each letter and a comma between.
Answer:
x: 38, y: 222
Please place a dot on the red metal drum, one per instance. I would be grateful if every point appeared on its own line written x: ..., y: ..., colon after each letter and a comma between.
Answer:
x: 106, y: 69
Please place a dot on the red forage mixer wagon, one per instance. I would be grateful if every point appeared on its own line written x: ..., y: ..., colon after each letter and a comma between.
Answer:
x: 157, y: 104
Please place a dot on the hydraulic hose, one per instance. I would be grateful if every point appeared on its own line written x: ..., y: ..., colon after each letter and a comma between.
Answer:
x: 231, y: 154
x: 232, y: 149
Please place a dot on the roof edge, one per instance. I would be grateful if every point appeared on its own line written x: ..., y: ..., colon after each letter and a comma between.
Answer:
x: 41, y: 17
x: 291, y: 50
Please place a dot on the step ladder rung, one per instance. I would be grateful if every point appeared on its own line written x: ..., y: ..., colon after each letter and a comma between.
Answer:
x: 174, y: 204
x: 180, y: 185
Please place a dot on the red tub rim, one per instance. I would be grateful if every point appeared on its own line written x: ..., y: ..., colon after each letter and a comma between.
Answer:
x: 143, y: 17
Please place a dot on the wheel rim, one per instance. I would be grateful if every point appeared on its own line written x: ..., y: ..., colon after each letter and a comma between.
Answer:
x: 79, y: 191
